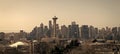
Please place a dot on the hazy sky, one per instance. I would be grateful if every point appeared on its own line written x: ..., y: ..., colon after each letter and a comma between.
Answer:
x: 26, y: 14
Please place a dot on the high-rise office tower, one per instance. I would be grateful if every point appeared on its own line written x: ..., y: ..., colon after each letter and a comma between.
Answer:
x: 92, y: 32
x: 96, y: 32
x: 101, y: 33
x: 58, y: 33
x: 114, y: 31
x: 50, y: 29
x: 41, y: 30
x: 73, y: 30
x: 46, y: 31
x: 85, y: 32
x: 64, y: 31
x: 33, y: 34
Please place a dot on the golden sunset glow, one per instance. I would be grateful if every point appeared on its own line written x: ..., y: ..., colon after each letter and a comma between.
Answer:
x: 26, y: 14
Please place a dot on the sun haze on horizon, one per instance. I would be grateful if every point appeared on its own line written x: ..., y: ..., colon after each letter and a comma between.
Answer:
x: 26, y: 14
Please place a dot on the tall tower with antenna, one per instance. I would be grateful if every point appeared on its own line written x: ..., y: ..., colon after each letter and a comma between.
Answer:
x: 54, y: 25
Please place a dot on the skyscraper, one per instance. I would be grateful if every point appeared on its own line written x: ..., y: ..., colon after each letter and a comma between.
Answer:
x: 64, y: 31
x: 85, y: 32
x: 102, y: 33
x: 115, y: 32
x: 41, y: 30
x: 58, y: 33
x: 93, y: 32
x: 46, y: 31
x: 34, y: 33
x: 73, y: 30
x: 50, y: 29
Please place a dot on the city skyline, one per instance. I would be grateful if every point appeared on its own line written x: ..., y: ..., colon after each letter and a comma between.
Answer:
x: 25, y: 15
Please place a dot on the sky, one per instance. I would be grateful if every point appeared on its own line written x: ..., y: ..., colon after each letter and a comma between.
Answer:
x: 18, y: 15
